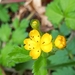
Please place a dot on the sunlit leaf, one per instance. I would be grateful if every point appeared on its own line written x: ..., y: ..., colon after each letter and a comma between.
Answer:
x: 16, y: 23
x: 39, y: 66
x: 54, y: 13
x: 5, y: 31
x: 4, y: 16
x: 24, y: 23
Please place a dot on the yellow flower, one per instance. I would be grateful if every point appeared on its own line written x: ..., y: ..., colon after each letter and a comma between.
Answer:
x: 36, y: 43
x: 60, y: 42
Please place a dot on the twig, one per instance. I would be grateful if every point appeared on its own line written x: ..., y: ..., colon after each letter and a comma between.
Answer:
x: 10, y: 70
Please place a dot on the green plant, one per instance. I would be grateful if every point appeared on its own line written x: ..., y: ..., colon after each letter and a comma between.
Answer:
x: 61, y: 13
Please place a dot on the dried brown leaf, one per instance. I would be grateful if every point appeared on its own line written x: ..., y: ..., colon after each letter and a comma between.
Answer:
x: 45, y: 24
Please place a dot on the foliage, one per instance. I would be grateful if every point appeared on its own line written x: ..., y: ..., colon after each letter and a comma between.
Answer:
x: 60, y: 10
x: 61, y: 13
x: 41, y: 66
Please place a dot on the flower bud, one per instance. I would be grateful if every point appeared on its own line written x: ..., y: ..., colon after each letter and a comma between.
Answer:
x: 35, y: 24
x: 60, y: 42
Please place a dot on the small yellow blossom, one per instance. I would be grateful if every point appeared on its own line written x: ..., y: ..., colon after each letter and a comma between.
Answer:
x: 60, y: 42
x: 36, y: 43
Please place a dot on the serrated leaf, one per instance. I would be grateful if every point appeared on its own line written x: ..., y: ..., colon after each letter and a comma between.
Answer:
x: 39, y: 66
x: 60, y: 56
x: 54, y: 13
x: 19, y: 55
x: 14, y: 7
x: 59, y: 10
x: 4, y: 16
x: 64, y: 30
x: 64, y: 71
x: 11, y: 55
x: 71, y: 46
x: 19, y: 35
x: 5, y: 31
x: 4, y: 55
x: 16, y: 23
x: 24, y: 23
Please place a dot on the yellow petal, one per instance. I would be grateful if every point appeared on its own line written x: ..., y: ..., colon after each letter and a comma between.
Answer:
x: 26, y: 41
x: 35, y: 53
x: 46, y: 39
x: 34, y: 35
x: 29, y: 44
x: 47, y: 48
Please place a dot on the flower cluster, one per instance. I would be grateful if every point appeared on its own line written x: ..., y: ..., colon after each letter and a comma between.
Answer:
x: 37, y: 43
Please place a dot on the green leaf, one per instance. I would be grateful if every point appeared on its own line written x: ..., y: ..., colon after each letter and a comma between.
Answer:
x: 71, y: 46
x: 64, y: 30
x: 57, y: 1
x: 64, y: 71
x: 24, y: 23
x: 62, y: 11
x: 16, y: 23
x: 70, y: 20
x: 19, y: 35
x: 61, y: 56
x: 67, y: 5
x: 14, y: 7
x: 5, y: 31
x: 19, y: 55
x: 54, y: 33
x: 54, y: 13
x: 39, y: 66
x: 25, y: 65
x: 67, y: 64
x: 12, y: 55
x: 4, y: 16
x: 4, y: 55
x: 0, y: 59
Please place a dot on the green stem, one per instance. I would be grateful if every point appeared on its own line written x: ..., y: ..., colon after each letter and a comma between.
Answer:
x: 71, y: 36
x: 2, y: 70
x: 29, y: 17
x: 70, y: 55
